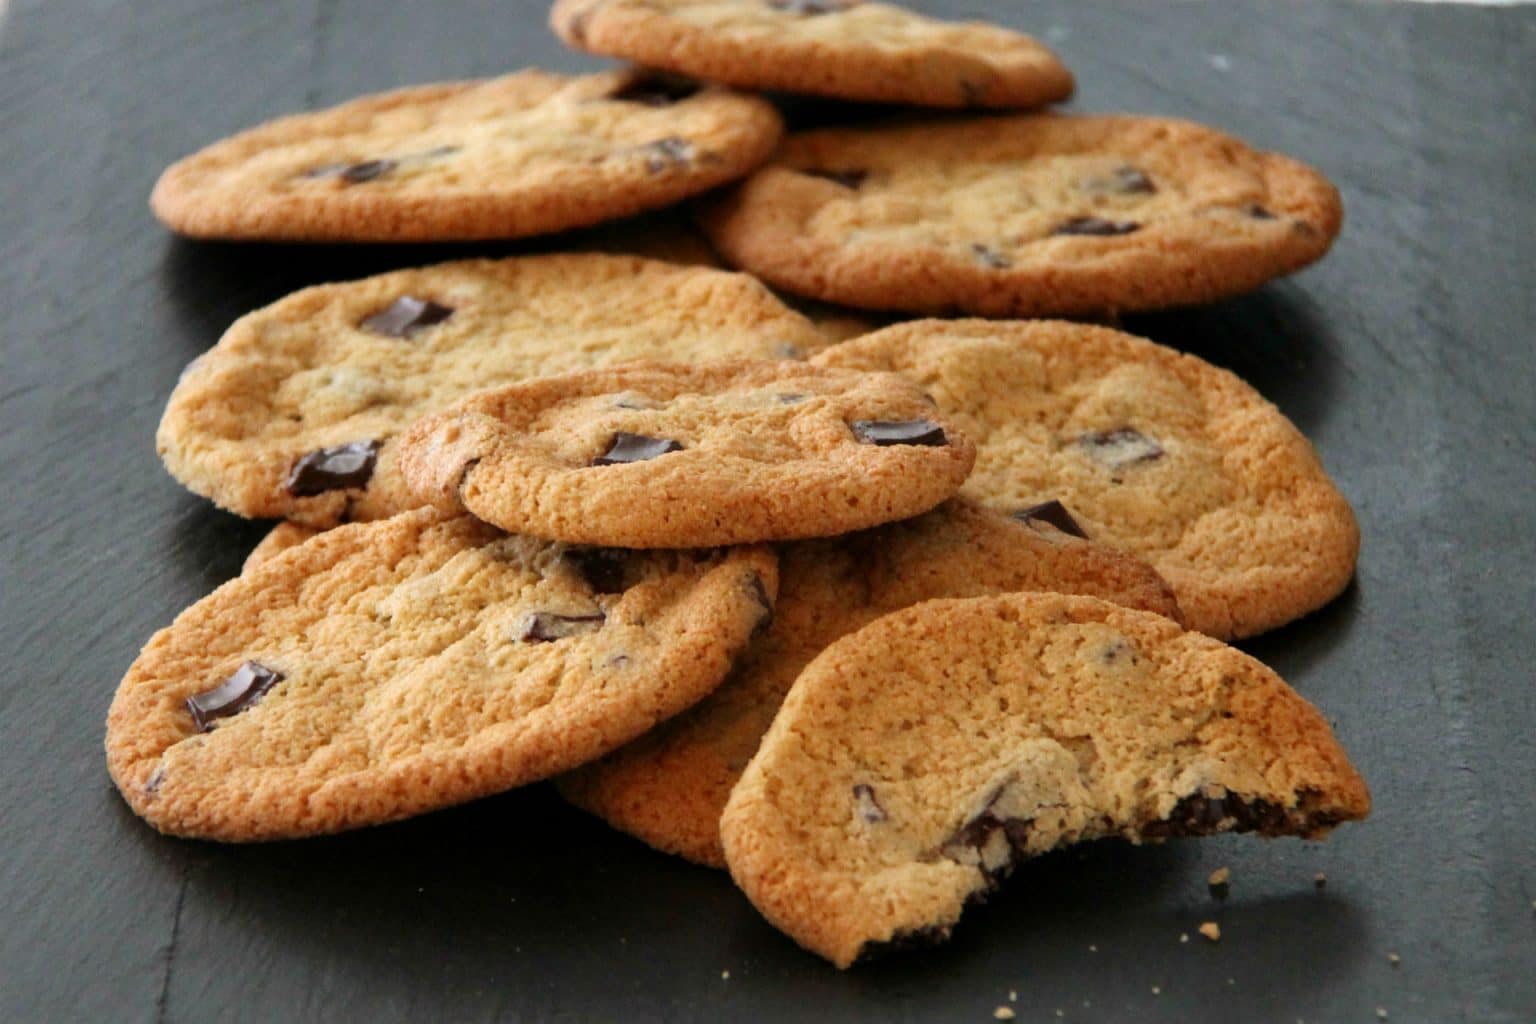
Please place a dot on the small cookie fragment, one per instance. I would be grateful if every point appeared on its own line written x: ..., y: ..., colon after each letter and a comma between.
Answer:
x: 1025, y: 216
x: 994, y: 730
x: 525, y: 154
x: 1220, y: 883
x: 385, y: 669
x: 844, y: 49
x: 1142, y: 447
x: 1211, y: 931
x: 666, y: 455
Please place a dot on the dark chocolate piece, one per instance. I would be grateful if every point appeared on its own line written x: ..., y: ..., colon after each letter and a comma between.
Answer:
x: 602, y: 568
x: 663, y: 154
x: 892, y: 432
x: 1201, y: 815
x: 547, y: 627
x: 333, y: 469
x: 155, y: 781
x: 989, y: 257
x: 1053, y: 512
x: 249, y: 684
x: 626, y: 447
x: 867, y: 806
x: 811, y: 7
x: 903, y: 942
x: 1134, y: 181
x: 1258, y: 212
x: 356, y: 174
x: 790, y: 398
x: 760, y: 595
x: 847, y: 179
x: 655, y: 90
x: 1095, y: 226
x: 406, y: 317
x: 1120, y: 448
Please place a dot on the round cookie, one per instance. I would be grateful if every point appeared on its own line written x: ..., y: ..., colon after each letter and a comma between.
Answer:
x: 1158, y: 453
x: 917, y: 760
x: 343, y: 368
x: 385, y: 669
x: 666, y: 455
x: 1034, y: 215
x: 525, y: 154
x: 669, y: 787
x: 280, y: 538
x: 845, y: 49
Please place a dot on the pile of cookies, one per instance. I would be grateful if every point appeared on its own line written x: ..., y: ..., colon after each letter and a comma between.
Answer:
x: 864, y: 621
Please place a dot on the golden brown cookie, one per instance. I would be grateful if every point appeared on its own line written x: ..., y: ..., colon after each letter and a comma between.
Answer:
x: 1158, y: 453
x: 1032, y: 215
x: 917, y: 760
x: 846, y: 49
x: 526, y: 154
x: 385, y: 669
x: 293, y: 412
x: 669, y: 787
x: 668, y: 455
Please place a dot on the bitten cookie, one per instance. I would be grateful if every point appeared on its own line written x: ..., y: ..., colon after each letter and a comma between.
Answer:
x: 385, y: 669
x: 525, y: 154
x: 669, y: 787
x: 917, y: 760
x: 1036, y: 215
x: 667, y: 455
x: 1158, y: 453
x: 839, y: 48
x: 293, y: 412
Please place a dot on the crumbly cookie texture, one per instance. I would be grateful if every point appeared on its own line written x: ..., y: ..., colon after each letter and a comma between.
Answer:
x: 293, y: 413
x: 280, y: 538
x: 525, y: 154
x: 1158, y: 453
x: 385, y: 669
x: 917, y: 760
x: 669, y: 787
x: 667, y: 455
x: 849, y: 50
x: 1034, y: 215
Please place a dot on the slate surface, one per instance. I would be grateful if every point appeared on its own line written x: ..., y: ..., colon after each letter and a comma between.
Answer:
x: 1407, y: 357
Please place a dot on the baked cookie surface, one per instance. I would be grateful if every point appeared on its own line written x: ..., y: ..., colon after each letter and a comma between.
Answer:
x: 385, y: 669
x: 917, y: 760
x: 293, y: 412
x: 667, y: 455
x: 1157, y: 453
x: 669, y: 787
x: 529, y: 153
x: 1032, y: 215
x: 846, y: 49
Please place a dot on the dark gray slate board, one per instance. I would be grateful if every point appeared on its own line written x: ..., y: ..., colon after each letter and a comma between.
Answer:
x: 1407, y: 356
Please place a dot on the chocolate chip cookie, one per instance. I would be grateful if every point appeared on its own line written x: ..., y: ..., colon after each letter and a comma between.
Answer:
x: 669, y: 787
x: 917, y: 760
x: 525, y: 154
x: 839, y: 48
x: 1034, y: 215
x: 667, y: 455
x: 385, y: 669
x: 293, y: 412
x: 1158, y: 453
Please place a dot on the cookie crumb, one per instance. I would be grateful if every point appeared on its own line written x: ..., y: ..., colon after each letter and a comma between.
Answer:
x: 1394, y: 960
x: 1092, y: 948
x: 1157, y: 990
x: 1320, y: 880
x: 1003, y: 1013
x: 1219, y: 883
x: 1211, y: 930
x: 725, y: 975
x: 1183, y: 936
x: 1381, y: 1013
x: 1013, y: 996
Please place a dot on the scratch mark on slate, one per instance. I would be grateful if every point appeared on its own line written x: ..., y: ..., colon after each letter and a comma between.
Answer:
x: 170, y: 952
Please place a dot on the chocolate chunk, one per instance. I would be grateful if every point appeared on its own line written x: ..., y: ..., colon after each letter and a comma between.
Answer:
x: 1095, y: 226
x: 1200, y: 815
x: 602, y: 568
x: 892, y: 432
x: 760, y: 595
x: 356, y: 174
x: 655, y: 90
x: 155, y: 781
x: 547, y: 627
x: 906, y: 941
x: 626, y: 447
x: 865, y: 804
x: 333, y: 469
x: 1053, y: 512
x: 1133, y: 181
x: 233, y: 695
x: 1258, y: 212
x: 990, y: 257
x: 847, y: 179
x: 790, y: 398
x: 1120, y: 448
x: 406, y: 316
x: 811, y: 7
x: 663, y: 154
